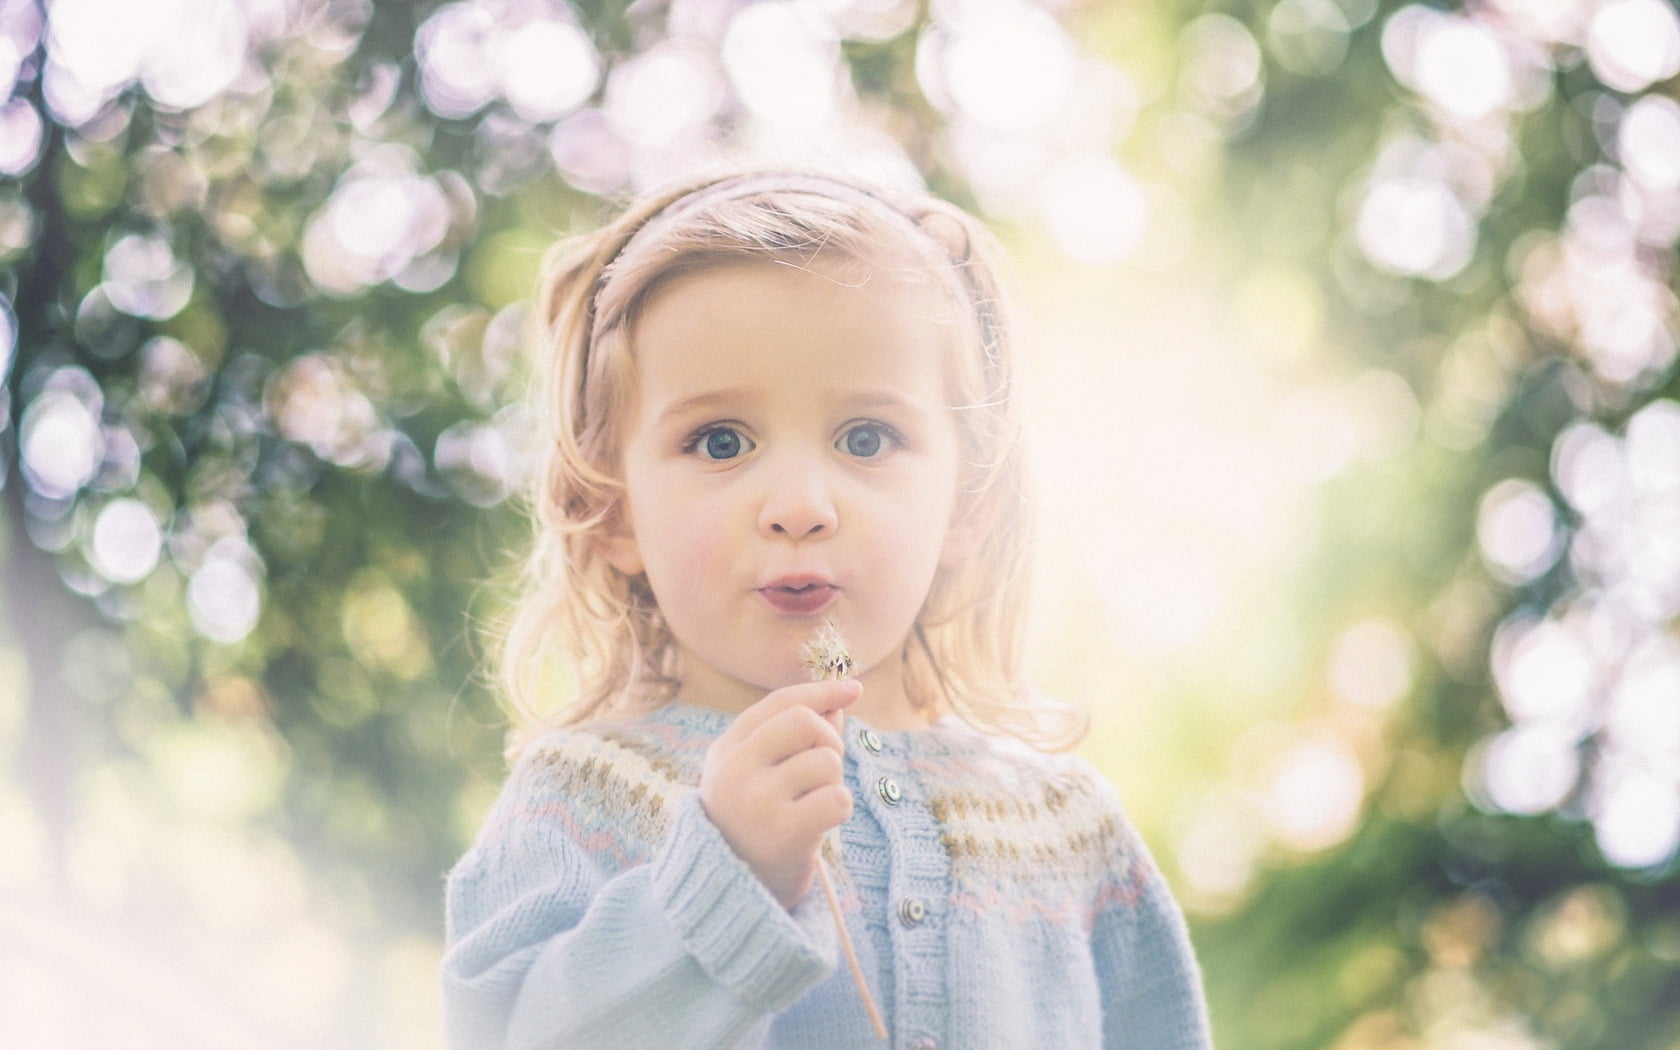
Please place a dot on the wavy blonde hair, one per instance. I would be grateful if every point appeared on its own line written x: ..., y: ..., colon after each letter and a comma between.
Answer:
x: 965, y: 652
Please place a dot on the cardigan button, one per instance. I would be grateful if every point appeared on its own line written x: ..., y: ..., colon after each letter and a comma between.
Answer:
x: 889, y: 791
x: 871, y: 740
x: 911, y: 911
x: 926, y: 1042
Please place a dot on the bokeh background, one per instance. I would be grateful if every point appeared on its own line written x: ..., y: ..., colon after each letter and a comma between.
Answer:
x: 1352, y: 371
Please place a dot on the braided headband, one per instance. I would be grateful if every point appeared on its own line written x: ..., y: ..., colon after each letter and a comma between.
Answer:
x: 752, y: 184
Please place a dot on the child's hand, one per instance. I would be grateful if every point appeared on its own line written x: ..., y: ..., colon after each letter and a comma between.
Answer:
x: 774, y: 782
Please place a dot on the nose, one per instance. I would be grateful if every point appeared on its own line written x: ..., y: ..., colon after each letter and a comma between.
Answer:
x: 798, y: 502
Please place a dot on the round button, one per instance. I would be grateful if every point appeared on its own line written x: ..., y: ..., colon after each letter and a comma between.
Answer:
x: 911, y: 911
x: 925, y: 1043
x: 871, y: 740
x: 889, y: 791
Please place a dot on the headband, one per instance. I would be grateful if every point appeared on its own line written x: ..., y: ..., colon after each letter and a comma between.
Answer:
x: 752, y: 184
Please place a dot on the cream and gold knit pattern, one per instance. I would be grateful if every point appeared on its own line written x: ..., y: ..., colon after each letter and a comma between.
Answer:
x: 997, y: 897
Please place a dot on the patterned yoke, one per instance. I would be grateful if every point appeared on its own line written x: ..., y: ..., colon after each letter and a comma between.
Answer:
x: 997, y: 897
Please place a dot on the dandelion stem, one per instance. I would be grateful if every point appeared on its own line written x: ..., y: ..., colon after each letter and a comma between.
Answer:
x: 826, y: 657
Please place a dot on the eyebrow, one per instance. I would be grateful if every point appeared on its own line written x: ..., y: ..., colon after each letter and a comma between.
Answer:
x: 885, y: 399
x: 863, y: 400
x: 704, y: 399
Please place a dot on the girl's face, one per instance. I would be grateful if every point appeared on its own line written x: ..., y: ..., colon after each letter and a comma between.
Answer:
x: 789, y: 457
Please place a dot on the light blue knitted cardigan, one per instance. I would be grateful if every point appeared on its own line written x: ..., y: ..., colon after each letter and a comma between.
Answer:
x: 997, y: 897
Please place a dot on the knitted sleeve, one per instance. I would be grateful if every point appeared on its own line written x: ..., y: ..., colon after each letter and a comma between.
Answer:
x: 1150, y: 984
x: 560, y: 936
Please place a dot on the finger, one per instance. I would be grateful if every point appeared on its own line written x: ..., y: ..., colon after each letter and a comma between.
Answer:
x: 809, y: 770
x: 821, y: 697
x: 792, y: 732
x: 821, y: 810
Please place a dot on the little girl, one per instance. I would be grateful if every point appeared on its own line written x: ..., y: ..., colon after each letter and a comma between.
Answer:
x: 779, y: 401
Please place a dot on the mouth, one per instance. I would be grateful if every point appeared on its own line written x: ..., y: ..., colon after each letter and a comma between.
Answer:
x: 799, y: 595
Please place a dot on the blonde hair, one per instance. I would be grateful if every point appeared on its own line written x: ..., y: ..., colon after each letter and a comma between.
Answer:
x: 965, y: 652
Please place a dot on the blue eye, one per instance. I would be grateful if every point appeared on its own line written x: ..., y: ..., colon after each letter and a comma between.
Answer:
x: 866, y: 440
x: 718, y: 443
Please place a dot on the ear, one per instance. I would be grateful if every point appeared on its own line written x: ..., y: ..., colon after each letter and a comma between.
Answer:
x: 618, y: 545
x: 962, y: 542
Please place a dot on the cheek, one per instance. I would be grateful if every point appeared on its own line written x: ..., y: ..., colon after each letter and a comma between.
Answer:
x: 680, y: 536
x: 918, y: 520
x: 695, y: 552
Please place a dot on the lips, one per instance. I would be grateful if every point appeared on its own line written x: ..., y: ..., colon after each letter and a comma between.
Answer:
x: 799, y: 595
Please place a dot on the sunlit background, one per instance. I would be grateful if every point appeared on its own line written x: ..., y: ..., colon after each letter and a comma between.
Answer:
x: 1352, y: 366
